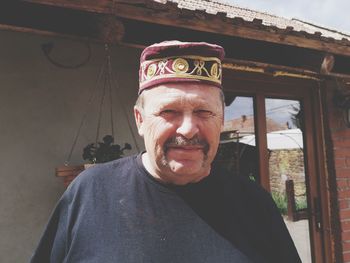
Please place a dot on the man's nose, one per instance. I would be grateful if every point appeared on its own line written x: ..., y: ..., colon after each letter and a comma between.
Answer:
x: 188, y: 127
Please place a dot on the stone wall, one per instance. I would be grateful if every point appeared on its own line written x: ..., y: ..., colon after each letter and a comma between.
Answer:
x: 287, y: 164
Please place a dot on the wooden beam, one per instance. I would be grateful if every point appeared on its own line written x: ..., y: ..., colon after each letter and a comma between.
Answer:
x: 100, y: 6
x: 279, y: 70
x: 47, y: 20
x: 261, y: 137
x: 269, y: 69
x: 45, y: 33
x: 169, y: 14
x: 245, y: 54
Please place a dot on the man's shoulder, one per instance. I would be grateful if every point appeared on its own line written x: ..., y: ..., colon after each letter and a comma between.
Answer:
x: 105, y: 173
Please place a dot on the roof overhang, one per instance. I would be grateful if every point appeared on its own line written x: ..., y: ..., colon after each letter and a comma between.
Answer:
x: 141, y: 22
x: 169, y: 14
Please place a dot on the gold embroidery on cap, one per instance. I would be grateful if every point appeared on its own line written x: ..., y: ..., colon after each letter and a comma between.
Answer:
x: 199, y: 66
x: 185, y: 67
x: 180, y: 65
x: 214, y: 71
x: 151, y: 70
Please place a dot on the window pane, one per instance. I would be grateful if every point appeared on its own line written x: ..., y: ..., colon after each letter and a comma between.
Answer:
x: 284, y: 120
x: 237, y: 151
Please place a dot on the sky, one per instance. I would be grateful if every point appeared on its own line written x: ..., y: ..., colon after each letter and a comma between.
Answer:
x: 279, y: 110
x: 333, y: 14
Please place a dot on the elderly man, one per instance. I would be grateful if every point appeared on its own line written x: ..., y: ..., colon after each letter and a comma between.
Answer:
x: 169, y: 203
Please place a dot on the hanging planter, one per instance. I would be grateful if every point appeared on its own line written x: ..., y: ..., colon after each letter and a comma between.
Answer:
x: 104, y: 151
x: 69, y: 172
x: 97, y: 152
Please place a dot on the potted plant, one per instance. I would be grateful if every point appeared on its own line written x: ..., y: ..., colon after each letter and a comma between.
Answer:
x: 105, y: 151
x: 99, y: 152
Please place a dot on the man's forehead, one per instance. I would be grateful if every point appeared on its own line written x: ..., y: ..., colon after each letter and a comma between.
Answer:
x: 186, y: 88
x: 172, y: 93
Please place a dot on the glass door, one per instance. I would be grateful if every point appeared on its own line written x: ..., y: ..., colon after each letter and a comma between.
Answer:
x: 284, y: 133
x: 267, y: 137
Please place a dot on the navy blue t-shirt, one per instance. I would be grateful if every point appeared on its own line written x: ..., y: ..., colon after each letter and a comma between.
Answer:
x: 117, y: 212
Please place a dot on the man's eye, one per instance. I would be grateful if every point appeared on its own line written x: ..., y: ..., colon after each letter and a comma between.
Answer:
x: 168, y: 113
x: 203, y: 113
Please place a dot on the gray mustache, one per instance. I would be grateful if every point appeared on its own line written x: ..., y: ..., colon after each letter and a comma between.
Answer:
x: 182, y: 141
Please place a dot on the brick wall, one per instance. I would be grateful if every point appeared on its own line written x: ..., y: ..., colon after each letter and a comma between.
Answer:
x: 340, y: 137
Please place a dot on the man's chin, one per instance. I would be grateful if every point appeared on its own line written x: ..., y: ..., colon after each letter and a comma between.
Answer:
x: 185, y: 179
x: 187, y: 171
x: 185, y: 154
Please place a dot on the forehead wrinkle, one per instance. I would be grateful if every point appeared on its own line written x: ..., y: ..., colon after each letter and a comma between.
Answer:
x: 172, y: 95
x: 185, y: 102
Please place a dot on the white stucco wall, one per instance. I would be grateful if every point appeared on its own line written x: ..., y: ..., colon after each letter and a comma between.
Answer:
x: 41, y: 106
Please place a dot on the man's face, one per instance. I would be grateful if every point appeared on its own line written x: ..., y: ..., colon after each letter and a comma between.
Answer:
x: 181, y: 125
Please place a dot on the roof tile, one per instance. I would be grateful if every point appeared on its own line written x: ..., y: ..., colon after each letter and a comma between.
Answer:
x: 224, y: 9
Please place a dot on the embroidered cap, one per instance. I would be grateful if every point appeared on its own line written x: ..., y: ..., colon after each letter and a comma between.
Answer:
x: 175, y: 61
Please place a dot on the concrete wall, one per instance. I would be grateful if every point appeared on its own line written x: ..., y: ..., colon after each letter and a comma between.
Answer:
x: 41, y: 106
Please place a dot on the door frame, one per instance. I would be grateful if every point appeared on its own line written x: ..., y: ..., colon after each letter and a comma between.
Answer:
x: 308, y: 92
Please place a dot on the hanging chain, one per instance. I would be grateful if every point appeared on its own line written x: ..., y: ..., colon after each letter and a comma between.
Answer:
x: 91, y: 98
x: 110, y: 88
x: 101, y: 109
x: 111, y: 106
x: 115, y: 83
x: 106, y: 72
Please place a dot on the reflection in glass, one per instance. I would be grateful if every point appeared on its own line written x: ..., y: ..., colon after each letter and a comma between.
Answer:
x: 284, y: 122
x: 237, y: 153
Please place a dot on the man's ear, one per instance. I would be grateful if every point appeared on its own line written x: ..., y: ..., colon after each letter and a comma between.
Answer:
x: 139, y: 120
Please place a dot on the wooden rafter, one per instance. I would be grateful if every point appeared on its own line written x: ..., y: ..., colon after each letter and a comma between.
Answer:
x: 50, y: 20
x: 138, y: 23
x: 169, y: 14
